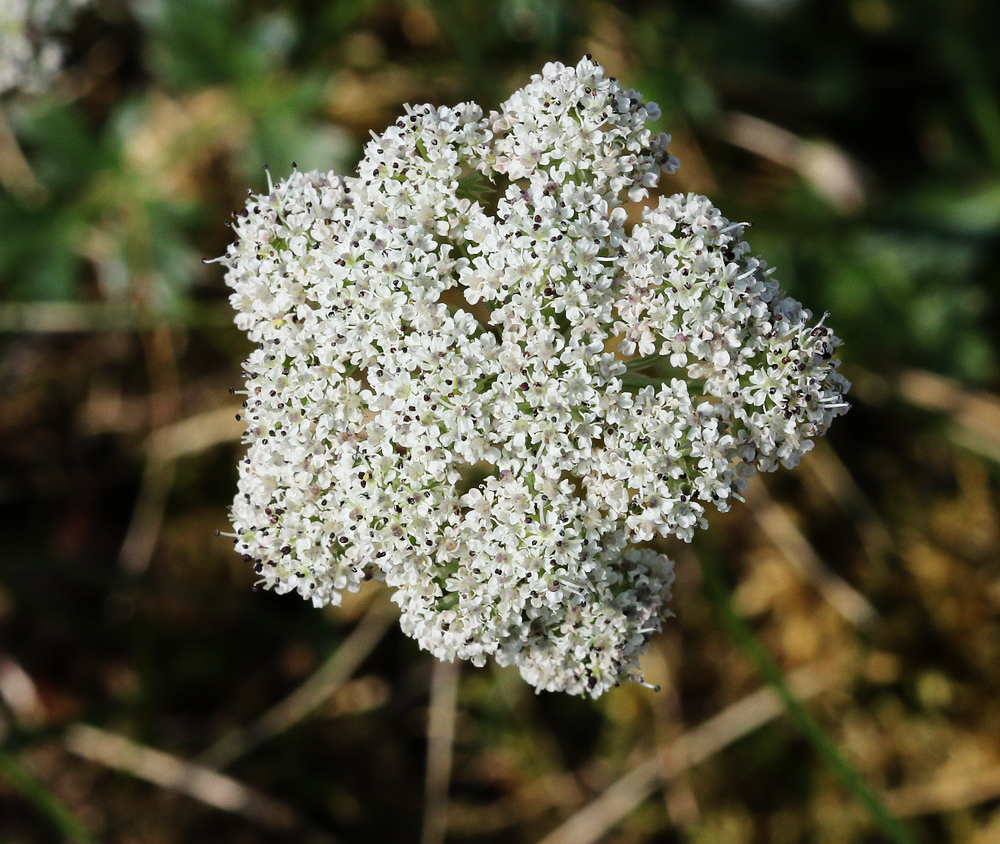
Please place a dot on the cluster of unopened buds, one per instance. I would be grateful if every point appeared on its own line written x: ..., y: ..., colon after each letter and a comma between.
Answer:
x: 483, y: 378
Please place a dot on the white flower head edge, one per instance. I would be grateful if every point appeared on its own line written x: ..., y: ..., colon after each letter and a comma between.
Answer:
x: 475, y: 380
x: 30, y: 51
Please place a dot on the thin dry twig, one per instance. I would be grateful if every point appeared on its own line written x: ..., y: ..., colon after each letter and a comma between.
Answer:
x: 195, y: 434
x: 824, y: 166
x: 70, y: 317
x: 440, y: 741
x: 97, y: 317
x: 168, y: 771
x: 168, y: 443
x: 790, y: 541
x: 975, y: 415
x: 597, y: 818
x: 147, y: 516
x: 20, y: 694
x: 158, y: 476
x: 946, y: 794
x: 827, y: 467
x: 668, y: 718
x: 308, y: 697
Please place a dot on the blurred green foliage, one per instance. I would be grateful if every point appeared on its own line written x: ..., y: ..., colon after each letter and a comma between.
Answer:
x: 903, y: 90
x: 862, y: 141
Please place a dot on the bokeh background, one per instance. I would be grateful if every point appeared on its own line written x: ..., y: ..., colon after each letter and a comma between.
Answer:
x: 147, y: 694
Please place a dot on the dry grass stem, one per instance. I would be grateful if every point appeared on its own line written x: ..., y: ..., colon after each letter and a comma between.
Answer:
x: 946, y: 794
x: 147, y: 516
x: 195, y: 433
x: 168, y: 771
x: 440, y: 742
x: 158, y: 476
x: 94, y: 317
x: 19, y: 693
x: 71, y: 317
x: 825, y: 167
x: 781, y: 529
x: 976, y: 416
x: 596, y: 819
x: 678, y: 795
x: 831, y: 473
x: 308, y: 697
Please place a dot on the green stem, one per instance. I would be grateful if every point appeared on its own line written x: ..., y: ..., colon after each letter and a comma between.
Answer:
x: 477, y: 187
x: 634, y: 379
x: 636, y: 364
x: 769, y: 670
x: 46, y: 804
x: 973, y: 77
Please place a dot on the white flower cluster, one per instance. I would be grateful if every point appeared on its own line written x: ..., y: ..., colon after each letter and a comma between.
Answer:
x: 460, y: 383
x: 29, y: 54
